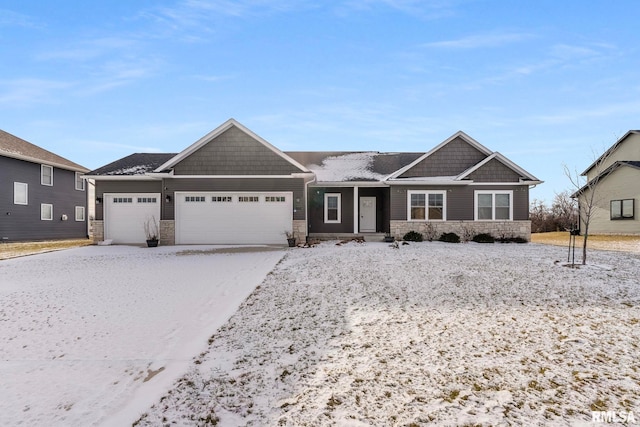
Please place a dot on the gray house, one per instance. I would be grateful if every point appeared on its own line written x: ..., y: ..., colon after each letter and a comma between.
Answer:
x: 232, y: 186
x: 42, y: 196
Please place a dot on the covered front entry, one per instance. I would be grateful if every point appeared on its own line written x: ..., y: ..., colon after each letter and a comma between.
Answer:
x: 233, y: 218
x: 125, y: 215
x: 368, y: 215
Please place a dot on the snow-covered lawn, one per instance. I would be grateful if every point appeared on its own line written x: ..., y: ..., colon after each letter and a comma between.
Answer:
x: 455, y: 334
x: 97, y: 334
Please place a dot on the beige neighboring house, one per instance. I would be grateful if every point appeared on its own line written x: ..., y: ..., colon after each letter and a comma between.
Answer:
x: 617, y: 189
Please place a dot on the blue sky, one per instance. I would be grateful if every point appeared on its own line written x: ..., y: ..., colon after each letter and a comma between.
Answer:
x: 546, y: 83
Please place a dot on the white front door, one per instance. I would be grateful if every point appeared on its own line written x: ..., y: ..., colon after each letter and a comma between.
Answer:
x: 367, y: 214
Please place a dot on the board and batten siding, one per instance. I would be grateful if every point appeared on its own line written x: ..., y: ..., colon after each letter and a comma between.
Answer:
x: 450, y: 160
x: 234, y: 153
x: 235, y: 185
x: 23, y: 222
x: 460, y: 201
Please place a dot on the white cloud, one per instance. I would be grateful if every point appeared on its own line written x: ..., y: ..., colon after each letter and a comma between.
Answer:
x: 29, y: 91
x: 481, y: 41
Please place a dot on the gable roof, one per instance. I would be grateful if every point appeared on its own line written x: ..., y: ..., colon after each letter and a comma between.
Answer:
x: 213, y: 135
x: 608, y: 171
x: 133, y: 165
x: 350, y: 166
x: 17, y: 148
x: 610, y: 150
x: 524, y: 175
x: 459, y: 134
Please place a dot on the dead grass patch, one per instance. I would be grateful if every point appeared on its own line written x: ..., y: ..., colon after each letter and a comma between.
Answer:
x: 17, y: 249
x: 608, y: 242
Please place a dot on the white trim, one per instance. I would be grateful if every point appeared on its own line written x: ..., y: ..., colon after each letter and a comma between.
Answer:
x: 460, y: 134
x: 445, y: 182
x: 78, y: 175
x: 42, y: 167
x: 376, y: 184
x: 122, y: 177
x: 160, y: 176
x: 80, y: 209
x: 326, y: 210
x: 493, y: 204
x: 502, y: 159
x: 426, y: 212
x: 217, y: 132
x: 26, y: 193
x: 42, y: 218
x: 39, y: 161
x: 511, y: 184
x: 356, y: 210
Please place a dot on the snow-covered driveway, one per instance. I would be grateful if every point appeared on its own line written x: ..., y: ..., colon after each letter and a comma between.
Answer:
x: 97, y: 334
x: 430, y: 333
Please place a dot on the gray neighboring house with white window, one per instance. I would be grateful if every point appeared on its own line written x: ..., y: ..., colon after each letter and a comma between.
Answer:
x: 233, y: 187
x: 43, y: 195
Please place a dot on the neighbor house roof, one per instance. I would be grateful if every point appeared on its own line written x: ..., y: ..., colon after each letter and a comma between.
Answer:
x: 17, y: 148
x: 137, y: 164
x: 605, y: 173
x: 610, y: 150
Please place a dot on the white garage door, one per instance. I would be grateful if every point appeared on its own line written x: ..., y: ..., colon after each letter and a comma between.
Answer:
x: 233, y: 218
x: 125, y: 215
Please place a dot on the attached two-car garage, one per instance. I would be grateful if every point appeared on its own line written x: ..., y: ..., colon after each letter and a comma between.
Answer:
x: 203, y: 217
x: 232, y: 218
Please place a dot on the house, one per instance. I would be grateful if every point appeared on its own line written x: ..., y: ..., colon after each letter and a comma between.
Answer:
x: 43, y: 196
x: 615, y: 178
x: 232, y: 186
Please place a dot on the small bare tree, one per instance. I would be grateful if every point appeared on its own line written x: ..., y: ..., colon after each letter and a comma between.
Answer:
x: 587, y: 193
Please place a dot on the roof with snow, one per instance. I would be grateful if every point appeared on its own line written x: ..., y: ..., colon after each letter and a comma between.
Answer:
x: 17, y: 148
x: 331, y: 166
x: 135, y: 164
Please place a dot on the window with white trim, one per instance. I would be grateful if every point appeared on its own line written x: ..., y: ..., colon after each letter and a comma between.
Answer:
x: 79, y: 213
x: 494, y: 205
x: 46, y: 175
x: 20, y: 193
x: 248, y: 199
x: 79, y: 181
x: 194, y: 198
x: 332, y: 207
x: 276, y: 199
x: 622, y: 209
x: 46, y: 212
x: 426, y: 205
x: 221, y: 199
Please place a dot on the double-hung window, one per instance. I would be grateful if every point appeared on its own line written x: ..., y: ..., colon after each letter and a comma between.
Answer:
x: 426, y: 205
x: 494, y: 205
x: 46, y: 212
x: 20, y: 193
x: 79, y: 213
x: 79, y: 181
x: 46, y: 175
x: 622, y: 209
x: 332, y: 207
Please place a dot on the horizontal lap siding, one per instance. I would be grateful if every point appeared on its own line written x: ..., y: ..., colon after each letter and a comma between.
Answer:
x: 124, y: 187
x: 316, y: 210
x: 460, y: 201
x: 22, y: 222
x: 294, y: 185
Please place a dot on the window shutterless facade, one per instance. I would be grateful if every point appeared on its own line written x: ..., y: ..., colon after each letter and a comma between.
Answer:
x: 79, y: 213
x: 79, y: 182
x: 46, y: 175
x: 493, y: 205
x: 622, y: 209
x: 46, y: 212
x: 20, y: 193
x: 426, y: 205
x: 332, y: 208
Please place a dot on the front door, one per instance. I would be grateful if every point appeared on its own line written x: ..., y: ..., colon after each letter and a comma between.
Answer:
x: 367, y: 214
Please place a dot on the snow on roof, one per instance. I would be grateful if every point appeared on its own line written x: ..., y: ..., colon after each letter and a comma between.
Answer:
x: 133, y: 170
x: 347, y: 167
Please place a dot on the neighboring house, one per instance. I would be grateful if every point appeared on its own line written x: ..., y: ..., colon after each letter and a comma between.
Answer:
x: 42, y: 196
x: 615, y: 175
x: 232, y: 186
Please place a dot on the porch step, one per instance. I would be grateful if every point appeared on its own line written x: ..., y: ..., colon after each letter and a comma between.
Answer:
x: 368, y: 237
